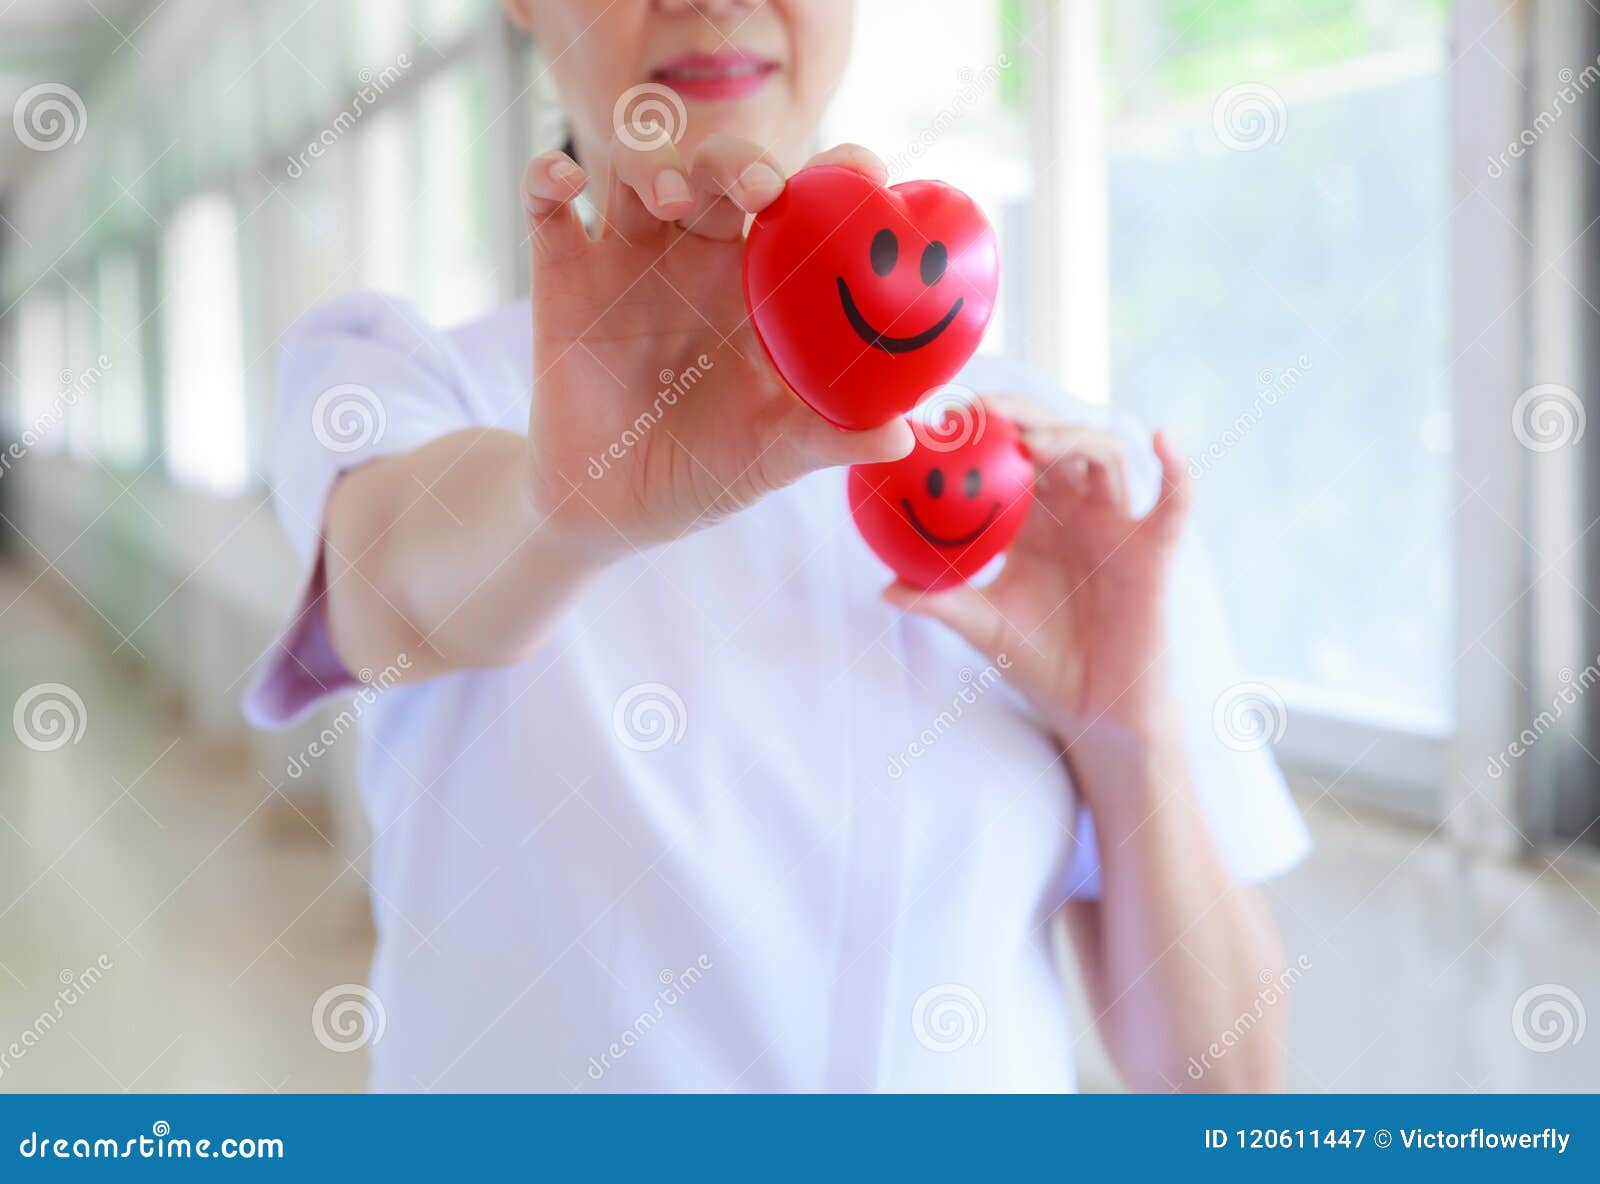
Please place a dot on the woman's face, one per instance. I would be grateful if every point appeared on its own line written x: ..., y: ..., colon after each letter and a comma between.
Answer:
x: 760, y: 69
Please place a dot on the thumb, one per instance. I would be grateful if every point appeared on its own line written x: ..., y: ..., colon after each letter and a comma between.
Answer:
x: 821, y: 445
x: 964, y: 609
x: 800, y: 442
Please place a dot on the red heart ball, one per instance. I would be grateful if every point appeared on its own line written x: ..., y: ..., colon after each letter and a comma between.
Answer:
x: 941, y: 513
x: 865, y: 298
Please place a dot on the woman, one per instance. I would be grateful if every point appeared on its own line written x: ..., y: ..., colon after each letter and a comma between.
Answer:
x: 671, y: 797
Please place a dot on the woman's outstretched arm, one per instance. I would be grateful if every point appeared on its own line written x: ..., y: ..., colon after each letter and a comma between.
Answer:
x: 654, y: 411
x: 439, y: 555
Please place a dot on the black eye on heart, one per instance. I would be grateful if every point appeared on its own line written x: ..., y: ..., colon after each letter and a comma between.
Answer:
x: 971, y: 483
x: 885, y: 254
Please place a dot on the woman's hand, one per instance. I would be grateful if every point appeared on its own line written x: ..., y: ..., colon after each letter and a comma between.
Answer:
x: 655, y: 409
x: 1079, y: 609
x: 1079, y: 613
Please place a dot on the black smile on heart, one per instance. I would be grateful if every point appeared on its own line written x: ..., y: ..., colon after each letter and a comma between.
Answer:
x: 939, y: 541
x: 893, y: 345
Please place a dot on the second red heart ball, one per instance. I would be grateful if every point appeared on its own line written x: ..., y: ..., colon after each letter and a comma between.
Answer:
x: 940, y: 514
x: 868, y: 298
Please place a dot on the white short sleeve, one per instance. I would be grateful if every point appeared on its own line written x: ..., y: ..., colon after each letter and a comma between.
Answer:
x: 359, y: 378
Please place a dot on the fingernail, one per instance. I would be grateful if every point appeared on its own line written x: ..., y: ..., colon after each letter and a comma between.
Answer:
x: 760, y: 179
x: 672, y: 188
x: 565, y: 171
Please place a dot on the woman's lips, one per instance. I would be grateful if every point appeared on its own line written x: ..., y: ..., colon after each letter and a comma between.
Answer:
x: 729, y: 75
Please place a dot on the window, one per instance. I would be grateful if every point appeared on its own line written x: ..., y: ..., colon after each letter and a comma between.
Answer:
x: 444, y: 20
x: 123, y: 431
x: 1230, y: 218
x: 457, y: 261
x: 84, y: 371
x: 41, y: 369
x: 205, y: 402
x: 1279, y: 182
x: 381, y: 33
x: 387, y: 165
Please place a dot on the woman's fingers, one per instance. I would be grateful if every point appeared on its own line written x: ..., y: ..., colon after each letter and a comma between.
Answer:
x: 1167, y: 520
x: 1091, y: 462
x: 731, y: 178
x: 1025, y: 413
x: 550, y: 185
x: 853, y: 156
x: 648, y: 187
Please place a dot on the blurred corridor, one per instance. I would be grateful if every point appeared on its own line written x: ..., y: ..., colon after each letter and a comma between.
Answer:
x: 211, y: 902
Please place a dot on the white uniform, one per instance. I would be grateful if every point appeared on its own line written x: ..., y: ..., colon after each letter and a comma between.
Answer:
x: 739, y: 825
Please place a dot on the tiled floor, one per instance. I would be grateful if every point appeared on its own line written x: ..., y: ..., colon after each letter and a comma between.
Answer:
x: 1416, y: 955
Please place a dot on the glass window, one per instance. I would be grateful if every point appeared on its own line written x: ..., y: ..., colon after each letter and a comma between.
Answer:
x: 444, y: 20
x: 387, y: 157
x: 382, y: 32
x: 204, y: 410
x: 123, y: 431
x: 234, y: 113
x: 457, y: 273
x: 1280, y: 190
x: 85, y: 371
x: 290, y: 94
x: 44, y: 382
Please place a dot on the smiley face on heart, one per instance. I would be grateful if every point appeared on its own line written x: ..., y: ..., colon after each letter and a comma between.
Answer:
x: 868, y: 298
x: 941, y: 513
